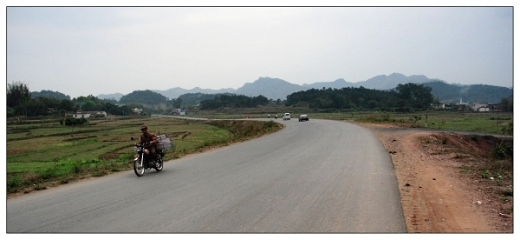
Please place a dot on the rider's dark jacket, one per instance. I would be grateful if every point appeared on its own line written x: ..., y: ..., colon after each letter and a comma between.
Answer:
x: 149, y: 138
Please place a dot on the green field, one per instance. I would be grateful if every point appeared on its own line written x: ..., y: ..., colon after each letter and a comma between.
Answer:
x: 39, y: 152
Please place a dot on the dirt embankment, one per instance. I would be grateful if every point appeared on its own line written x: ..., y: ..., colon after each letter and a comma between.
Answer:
x: 446, y: 181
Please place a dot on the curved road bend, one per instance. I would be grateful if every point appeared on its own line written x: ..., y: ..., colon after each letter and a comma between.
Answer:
x: 312, y: 177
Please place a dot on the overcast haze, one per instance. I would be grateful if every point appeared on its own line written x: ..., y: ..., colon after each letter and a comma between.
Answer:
x: 98, y: 50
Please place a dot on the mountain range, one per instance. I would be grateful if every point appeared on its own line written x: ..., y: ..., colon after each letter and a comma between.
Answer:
x: 275, y: 88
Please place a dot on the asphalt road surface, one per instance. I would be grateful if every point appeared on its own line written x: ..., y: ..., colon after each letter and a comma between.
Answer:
x: 319, y: 176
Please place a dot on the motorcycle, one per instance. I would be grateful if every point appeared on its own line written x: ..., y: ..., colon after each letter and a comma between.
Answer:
x: 144, y: 160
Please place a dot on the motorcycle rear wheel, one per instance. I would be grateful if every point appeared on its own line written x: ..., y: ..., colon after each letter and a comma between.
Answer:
x: 159, y: 164
x: 139, y: 167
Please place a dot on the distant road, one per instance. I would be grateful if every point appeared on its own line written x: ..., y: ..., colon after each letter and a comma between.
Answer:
x: 311, y: 177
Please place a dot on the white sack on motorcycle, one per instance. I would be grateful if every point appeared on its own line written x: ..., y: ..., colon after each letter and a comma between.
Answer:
x: 164, y: 142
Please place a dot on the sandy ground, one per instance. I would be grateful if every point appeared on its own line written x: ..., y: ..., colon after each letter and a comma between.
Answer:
x: 437, y: 197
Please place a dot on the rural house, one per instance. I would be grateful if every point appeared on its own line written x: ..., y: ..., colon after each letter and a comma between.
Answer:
x: 178, y: 111
x: 87, y: 114
x: 480, y: 107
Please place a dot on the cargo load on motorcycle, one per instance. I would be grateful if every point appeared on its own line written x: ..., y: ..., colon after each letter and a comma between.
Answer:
x: 164, y: 142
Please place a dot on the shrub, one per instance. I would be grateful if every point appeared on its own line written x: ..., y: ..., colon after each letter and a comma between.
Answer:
x: 76, y: 167
x: 73, y: 121
x: 508, y: 192
x: 508, y: 129
x: 475, y: 138
x: 13, y: 184
x: 503, y: 150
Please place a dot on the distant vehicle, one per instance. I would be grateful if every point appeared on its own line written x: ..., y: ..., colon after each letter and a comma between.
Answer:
x: 303, y: 117
x: 287, y: 116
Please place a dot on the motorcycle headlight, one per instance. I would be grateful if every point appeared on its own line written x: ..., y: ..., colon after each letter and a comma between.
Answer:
x: 137, y: 149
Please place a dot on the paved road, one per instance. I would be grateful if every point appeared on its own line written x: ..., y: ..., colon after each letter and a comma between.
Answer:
x: 318, y: 176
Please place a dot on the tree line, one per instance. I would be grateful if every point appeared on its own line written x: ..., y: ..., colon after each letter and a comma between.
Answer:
x: 233, y: 101
x: 469, y: 93
x: 20, y: 102
x: 405, y: 98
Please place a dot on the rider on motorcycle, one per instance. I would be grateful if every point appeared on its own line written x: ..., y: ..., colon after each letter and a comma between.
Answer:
x: 150, y: 139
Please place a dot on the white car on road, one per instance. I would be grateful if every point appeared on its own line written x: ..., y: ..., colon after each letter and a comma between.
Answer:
x: 287, y: 116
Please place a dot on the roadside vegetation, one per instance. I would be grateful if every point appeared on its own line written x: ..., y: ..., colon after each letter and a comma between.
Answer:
x: 492, y: 123
x: 483, y: 158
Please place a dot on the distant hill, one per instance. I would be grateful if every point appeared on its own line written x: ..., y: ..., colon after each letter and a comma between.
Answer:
x: 448, y: 93
x: 391, y: 81
x: 176, y: 92
x: 381, y: 82
x: 143, y: 97
x: 271, y: 88
x: 275, y: 88
x: 49, y: 93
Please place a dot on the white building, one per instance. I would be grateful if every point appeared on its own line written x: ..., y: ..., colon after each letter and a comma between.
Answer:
x: 479, y: 107
x: 87, y: 114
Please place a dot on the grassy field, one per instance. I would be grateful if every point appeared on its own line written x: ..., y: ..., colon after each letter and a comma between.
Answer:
x: 493, y: 123
x: 42, y: 153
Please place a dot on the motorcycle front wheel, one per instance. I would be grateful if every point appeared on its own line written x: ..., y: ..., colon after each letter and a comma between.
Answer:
x: 139, y: 167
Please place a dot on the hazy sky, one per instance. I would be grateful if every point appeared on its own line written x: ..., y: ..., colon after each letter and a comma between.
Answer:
x: 104, y: 50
